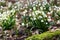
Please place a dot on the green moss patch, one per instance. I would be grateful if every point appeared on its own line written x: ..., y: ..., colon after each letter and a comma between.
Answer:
x: 45, y: 36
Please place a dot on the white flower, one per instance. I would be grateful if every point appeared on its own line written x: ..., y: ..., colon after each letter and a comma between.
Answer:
x: 13, y: 10
x: 34, y: 8
x: 44, y: 2
x: 42, y: 20
x: 23, y: 24
x: 4, y: 12
x: 39, y: 4
x: 58, y: 22
x: 37, y: 12
x: 59, y: 8
x: 0, y: 19
x: 44, y: 8
x: 30, y: 15
x: 24, y: 14
x: 34, y: 18
x: 15, y: 7
x: 43, y: 13
x: 26, y: 5
x: 45, y: 16
x: 33, y: 14
x: 51, y: 12
x: 25, y: 11
x: 8, y: 11
x: 4, y: 18
x: 1, y: 6
x: 48, y: 13
x: 46, y: 23
x: 55, y: 8
x: 30, y: 9
x: 27, y: 24
x: 4, y: 15
x: 31, y: 18
x: 41, y: 8
x: 40, y: 16
x: 49, y: 19
x: 5, y: 32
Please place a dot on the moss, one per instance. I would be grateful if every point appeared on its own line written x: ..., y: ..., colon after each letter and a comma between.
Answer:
x: 44, y: 36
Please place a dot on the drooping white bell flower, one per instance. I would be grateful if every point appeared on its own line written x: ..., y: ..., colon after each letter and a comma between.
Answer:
x: 40, y: 17
x: 34, y: 18
x: 34, y: 8
x: 23, y: 24
x: 41, y: 8
x: 42, y: 20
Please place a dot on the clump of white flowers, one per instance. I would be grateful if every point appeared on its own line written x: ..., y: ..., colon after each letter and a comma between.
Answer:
x: 5, y: 14
x: 37, y: 17
x: 37, y: 14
